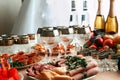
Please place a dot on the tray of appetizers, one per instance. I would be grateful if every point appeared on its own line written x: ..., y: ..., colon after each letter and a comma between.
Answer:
x: 59, y: 48
x: 21, y: 59
x: 103, y: 46
x: 67, y: 68
x: 8, y: 73
x: 21, y: 76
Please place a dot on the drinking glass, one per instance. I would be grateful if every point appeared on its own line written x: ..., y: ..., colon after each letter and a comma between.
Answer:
x: 84, y: 34
x: 50, y: 38
x: 66, y: 36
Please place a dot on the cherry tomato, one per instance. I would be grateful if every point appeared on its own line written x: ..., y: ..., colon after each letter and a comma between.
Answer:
x: 93, y: 47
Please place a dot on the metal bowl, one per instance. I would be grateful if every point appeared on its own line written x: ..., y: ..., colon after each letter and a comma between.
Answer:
x: 65, y: 30
x: 49, y: 32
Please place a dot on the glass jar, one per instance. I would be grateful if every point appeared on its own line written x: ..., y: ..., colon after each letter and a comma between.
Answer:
x: 17, y: 40
x: 1, y: 41
x: 24, y: 39
x: 8, y: 41
x: 31, y: 36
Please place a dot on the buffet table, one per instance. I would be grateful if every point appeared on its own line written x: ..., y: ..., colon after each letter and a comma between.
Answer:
x: 108, y: 75
x: 107, y: 65
x: 104, y: 74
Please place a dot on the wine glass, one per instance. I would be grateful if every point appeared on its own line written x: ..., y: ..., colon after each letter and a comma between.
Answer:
x: 66, y: 35
x: 50, y: 38
x: 75, y: 42
x: 39, y: 32
x: 84, y: 34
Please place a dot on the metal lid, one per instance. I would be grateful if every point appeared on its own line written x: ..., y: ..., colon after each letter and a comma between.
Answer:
x: 4, y: 35
x: 8, y: 38
x: 1, y: 38
x: 65, y: 30
x: 14, y: 36
x: 24, y: 36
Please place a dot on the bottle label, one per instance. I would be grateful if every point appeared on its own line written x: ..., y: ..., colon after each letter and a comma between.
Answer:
x: 83, y: 17
x: 111, y: 25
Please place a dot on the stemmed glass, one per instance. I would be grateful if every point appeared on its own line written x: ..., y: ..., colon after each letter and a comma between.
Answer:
x: 84, y: 34
x: 75, y: 42
x: 66, y: 35
x: 50, y: 38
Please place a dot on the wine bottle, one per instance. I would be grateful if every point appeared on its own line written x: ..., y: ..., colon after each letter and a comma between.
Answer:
x: 111, y: 26
x: 73, y: 15
x: 99, y: 23
x: 85, y: 14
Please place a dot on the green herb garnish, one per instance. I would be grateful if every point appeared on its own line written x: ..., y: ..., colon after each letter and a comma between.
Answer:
x: 17, y: 64
x: 74, y: 62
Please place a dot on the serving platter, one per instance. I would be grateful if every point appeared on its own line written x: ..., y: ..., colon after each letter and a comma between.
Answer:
x: 21, y: 76
x: 32, y: 68
x: 26, y: 66
x: 88, y: 78
x: 21, y: 59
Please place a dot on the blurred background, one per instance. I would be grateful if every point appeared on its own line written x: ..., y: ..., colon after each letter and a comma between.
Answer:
x: 22, y: 18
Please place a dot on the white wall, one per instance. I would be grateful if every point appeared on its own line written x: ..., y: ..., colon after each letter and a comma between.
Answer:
x: 39, y: 13
x: 8, y: 12
x: 54, y: 13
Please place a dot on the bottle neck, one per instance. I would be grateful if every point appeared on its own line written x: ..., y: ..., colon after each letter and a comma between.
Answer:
x: 73, y: 15
x: 85, y: 15
x: 85, y: 5
x: 99, y: 7
x: 111, y: 11
x: 73, y: 7
x: 73, y: 20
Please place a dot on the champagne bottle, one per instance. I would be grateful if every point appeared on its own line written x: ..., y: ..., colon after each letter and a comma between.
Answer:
x: 111, y: 26
x: 99, y: 23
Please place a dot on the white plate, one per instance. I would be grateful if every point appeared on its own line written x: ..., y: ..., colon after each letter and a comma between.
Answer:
x: 23, y: 67
x: 82, y: 79
x: 33, y: 78
x: 89, y: 77
x: 21, y: 76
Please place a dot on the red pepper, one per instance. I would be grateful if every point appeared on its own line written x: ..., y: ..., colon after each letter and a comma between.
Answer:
x: 11, y: 78
x: 1, y: 77
x: 70, y: 46
x: 0, y: 71
x: 4, y: 73
x: 13, y: 73
x: 88, y: 42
